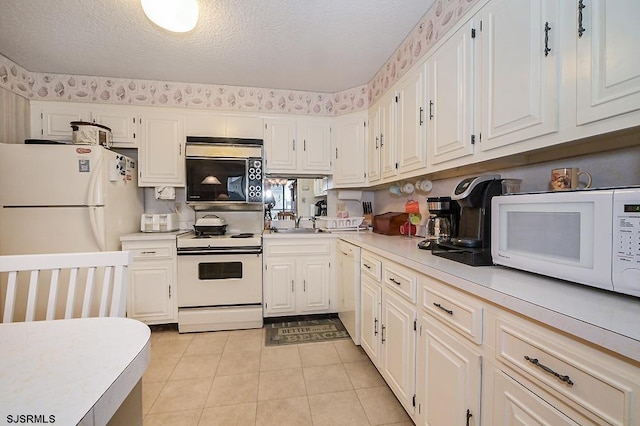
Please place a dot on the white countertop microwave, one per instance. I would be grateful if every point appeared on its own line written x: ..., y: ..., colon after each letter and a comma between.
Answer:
x: 590, y: 237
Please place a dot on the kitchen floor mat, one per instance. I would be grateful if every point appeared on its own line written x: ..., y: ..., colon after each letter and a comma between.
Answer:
x: 304, y: 331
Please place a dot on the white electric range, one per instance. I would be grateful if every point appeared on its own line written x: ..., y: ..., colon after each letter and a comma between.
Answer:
x: 220, y: 279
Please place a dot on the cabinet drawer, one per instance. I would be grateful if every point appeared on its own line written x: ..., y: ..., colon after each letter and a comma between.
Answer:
x: 371, y: 266
x: 582, y: 375
x: 400, y: 279
x: 142, y: 251
x: 457, y: 310
x: 297, y: 246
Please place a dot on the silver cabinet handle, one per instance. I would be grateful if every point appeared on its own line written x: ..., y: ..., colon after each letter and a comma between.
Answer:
x: 291, y: 286
x: 562, y: 378
x: 383, y: 339
x: 439, y: 306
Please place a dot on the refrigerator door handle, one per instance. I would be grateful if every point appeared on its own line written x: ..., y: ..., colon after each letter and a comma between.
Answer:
x: 97, y: 228
x: 95, y: 184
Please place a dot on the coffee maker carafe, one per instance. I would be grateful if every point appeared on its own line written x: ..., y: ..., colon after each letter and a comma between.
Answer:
x: 442, y: 223
x: 472, y: 244
x: 321, y: 208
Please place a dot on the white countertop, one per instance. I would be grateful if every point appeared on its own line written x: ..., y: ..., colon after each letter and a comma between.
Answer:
x: 278, y: 235
x: 604, y: 318
x: 78, y: 370
x: 137, y: 236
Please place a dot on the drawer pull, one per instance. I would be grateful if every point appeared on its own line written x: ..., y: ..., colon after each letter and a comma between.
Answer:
x: 366, y: 266
x: 437, y: 305
x: 394, y: 281
x: 148, y: 252
x: 535, y: 362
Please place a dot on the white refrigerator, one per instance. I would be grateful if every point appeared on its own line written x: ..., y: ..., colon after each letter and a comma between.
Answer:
x: 66, y: 198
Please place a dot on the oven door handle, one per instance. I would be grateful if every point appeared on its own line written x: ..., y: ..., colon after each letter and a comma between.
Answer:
x: 223, y: 252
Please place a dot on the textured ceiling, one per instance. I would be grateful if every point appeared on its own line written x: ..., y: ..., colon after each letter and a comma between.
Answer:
x: 322, y: 46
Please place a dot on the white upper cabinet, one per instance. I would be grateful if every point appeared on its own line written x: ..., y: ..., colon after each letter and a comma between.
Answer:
x: 412, y: 133
x: 388, y: 141
x: 608, y: 60
x: 518, y: 72
x: 161, y: 156
x: 50, y: 120
x: 451, y: 97
x: 374, y: 150
x: 348, y: 152
x: 198, y: 123
x: 297, y: 145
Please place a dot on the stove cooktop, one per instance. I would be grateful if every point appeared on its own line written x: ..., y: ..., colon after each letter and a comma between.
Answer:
x: 190, y: 240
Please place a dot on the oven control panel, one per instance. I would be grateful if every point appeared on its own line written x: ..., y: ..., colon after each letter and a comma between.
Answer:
x: 254, y: 175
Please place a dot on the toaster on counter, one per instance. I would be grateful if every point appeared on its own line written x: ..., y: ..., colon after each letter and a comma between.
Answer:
x: 159, y: 222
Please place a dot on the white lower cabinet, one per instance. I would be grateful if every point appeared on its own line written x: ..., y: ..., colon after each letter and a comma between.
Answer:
x: 297, y: 277
x: 448, y: 376
x: 388, y: 330
x: 151, y: 296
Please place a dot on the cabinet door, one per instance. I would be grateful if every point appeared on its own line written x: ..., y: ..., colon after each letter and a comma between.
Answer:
x: 399, y: 348
x: 608, y: 60
x: 449, y: 377
x: 374, y: 150
x: 313, y: 285
x: 451, y: 97
x: 122, y: 122
x: 161, y: 155
x: 151, y: 295
x: 205, y: 124
x: 389, y: 164
x: 349, y: 150
x: 370, y: 315
x: 519, y: 78
x: 51, y: 120
x: 280, y: 145
x: 314, y: 146
x: 412, y: 134
x: 279, y: 283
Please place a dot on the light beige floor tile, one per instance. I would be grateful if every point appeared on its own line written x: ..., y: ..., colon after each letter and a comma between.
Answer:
x: 381, y: 406
x: 243, y: 343
x: 284, y: 412
x: 246, y: 333
x: 232, y: 390
x: 314, y: 354
x: 363, y: 375
x: 239, y: 363
x: 172, y: 335
x: 195, y: 367
x: 281, y: 384
x: 182, y: 395
x: 326, y: 378
x: 349, y: 352
x: 176, y: 418
x: 160, y: 369
x: 408, y: 423
x: 280, y: 357
x: 150, y: 392
x: 207, y: 343
x: 229, y: 415
x: 167, y: 348
x: 336, y: 409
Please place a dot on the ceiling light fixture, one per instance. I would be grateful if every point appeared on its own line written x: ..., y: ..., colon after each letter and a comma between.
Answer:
x: 178, y: 16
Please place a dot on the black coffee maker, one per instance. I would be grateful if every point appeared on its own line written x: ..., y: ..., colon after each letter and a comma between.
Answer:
x: 472, y: 245
x: 321, y: 208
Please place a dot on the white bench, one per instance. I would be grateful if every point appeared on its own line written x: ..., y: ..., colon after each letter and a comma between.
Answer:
x: 113, y: 290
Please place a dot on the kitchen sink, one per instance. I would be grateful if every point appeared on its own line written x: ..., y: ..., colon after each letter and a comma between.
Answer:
x: 297, y: 231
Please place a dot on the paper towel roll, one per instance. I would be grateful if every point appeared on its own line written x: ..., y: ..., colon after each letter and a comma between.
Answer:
x: 350, y: 195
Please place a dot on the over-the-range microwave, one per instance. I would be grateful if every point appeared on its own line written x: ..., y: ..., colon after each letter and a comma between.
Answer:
x: 590, y: 237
